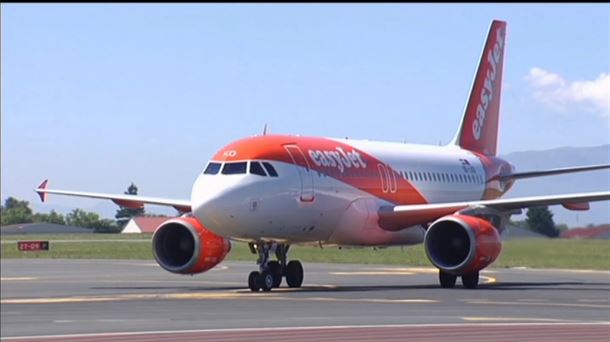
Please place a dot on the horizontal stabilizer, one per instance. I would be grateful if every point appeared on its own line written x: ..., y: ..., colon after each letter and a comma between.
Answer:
x: 552, y: 172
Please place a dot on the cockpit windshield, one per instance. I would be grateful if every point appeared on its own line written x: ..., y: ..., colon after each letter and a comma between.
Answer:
x: 234, y: 168
x: 263, y: 169
x: 212, y: 168
x: 270, y: 169
x: 257, y: 169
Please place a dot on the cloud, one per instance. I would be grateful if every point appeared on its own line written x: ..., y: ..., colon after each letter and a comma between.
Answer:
x: 561, y: 95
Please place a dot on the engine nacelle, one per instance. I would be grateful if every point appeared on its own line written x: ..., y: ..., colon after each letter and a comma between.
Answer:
x: 461, y: 244
x: 183, y: 245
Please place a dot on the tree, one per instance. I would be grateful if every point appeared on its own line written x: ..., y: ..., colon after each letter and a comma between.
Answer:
x: 52, y: 217
x: 124, y: 214
x: 13, y: 203
x: 107, y: 226
x: 81, y: 218
x: 85, y: 219
x: 154, y: 215
x: 519, y: 223
x: 562, y: 227
x: 15, y: 211
x: 540, y: 220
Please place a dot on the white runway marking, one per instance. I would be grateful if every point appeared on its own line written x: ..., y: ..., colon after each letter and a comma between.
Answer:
x: 17, y: 278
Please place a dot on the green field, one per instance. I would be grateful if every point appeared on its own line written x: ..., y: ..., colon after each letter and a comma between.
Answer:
x: 536, y: 253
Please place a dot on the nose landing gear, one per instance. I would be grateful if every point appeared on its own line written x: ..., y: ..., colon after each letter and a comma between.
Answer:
x: 270, y: 273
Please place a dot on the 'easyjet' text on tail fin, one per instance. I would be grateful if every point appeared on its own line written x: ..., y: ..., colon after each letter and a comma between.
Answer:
x: 479, y: 128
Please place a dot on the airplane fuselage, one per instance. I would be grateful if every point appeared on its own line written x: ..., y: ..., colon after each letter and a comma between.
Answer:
x: 330, y: 190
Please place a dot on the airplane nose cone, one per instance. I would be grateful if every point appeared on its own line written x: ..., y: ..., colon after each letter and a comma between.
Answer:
x: 216, y: 200
x: 204, y: 194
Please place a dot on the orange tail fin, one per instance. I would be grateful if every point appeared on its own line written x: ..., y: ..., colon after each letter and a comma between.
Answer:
x: 479, y: 128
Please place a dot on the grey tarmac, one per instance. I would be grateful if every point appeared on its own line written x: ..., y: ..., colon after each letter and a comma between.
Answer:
x: 50, y: 297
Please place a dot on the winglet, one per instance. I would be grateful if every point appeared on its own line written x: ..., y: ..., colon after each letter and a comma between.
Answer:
x: 40, y: 190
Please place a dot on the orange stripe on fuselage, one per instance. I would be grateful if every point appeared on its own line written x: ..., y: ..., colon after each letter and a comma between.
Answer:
x: 330, y: 157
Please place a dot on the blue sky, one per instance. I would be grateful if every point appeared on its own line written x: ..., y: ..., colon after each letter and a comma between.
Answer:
x: 96, y: 96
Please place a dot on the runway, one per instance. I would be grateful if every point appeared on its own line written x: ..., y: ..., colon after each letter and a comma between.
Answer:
x: 98, y: 299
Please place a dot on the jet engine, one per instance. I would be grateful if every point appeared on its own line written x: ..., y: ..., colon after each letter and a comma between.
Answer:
x: 461, y: 244
x: 183, y: 245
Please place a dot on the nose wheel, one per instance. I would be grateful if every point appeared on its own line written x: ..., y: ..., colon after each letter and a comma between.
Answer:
x: 270, y: 273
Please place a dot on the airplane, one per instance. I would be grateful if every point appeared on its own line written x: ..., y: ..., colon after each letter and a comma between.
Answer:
x: 273, y: 191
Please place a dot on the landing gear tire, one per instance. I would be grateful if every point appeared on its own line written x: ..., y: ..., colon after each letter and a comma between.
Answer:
x: 266, y: 281
x: 276, y: 269
x: 447, y: 280
x: 294, y: 274
x: 470, y: 281
x: 253, y: 281
x: 270, y: 272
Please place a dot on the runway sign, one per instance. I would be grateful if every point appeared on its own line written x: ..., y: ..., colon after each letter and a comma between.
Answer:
x: 27, y: 246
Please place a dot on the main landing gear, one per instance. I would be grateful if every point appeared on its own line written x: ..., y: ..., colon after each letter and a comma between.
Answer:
x: 448, y: 280
x: 270, y: 273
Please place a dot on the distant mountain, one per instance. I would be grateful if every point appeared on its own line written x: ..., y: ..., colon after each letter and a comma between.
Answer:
x: 565, y: 184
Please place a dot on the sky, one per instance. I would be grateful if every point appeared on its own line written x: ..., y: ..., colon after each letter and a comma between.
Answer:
x: 96, y: 96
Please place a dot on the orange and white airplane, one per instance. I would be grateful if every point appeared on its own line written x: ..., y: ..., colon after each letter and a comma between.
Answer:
x: 273, y: 191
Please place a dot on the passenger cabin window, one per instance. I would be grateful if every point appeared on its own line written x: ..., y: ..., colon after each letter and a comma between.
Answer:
x: 234, y: 168
x: 257, y: 169
x: 212, y: 168
x: 270, y: 169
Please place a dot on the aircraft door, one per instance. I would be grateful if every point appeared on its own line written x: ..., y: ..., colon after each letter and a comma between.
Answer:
x: 304, y: 170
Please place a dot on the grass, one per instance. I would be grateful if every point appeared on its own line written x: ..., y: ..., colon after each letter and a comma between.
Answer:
x: 535, y: 253
x: 82, y: 246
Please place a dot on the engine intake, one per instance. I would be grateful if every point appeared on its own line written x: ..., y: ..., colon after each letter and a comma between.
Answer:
x: 461, y: 244
x: 184, y: 245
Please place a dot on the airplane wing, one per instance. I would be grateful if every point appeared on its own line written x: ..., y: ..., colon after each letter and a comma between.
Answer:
x: 521, y: 175
x: 128, y: 201
x: 401, y: 216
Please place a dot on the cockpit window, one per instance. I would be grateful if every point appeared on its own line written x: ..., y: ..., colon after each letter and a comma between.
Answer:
x: 270, y: 169
x: 212, y: 168
x: 257, y: 169
x: 234, y: 168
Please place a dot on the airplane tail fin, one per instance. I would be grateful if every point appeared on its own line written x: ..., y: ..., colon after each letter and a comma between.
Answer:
x: 478, y: 130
